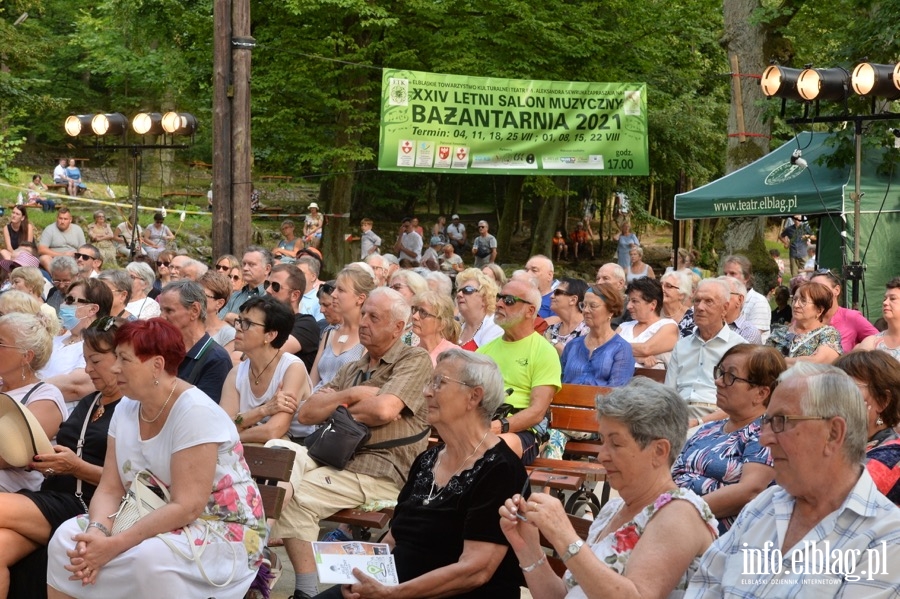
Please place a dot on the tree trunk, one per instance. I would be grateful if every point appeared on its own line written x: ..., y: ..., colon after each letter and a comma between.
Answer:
x: 745, y: 38
x: 512, y: 199
x: 544, y: 227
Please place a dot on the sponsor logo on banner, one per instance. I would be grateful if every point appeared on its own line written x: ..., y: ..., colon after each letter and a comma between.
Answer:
x: 398, y: 92
x: 443, y: 159
x: 424, y: 154
x: 461, y: 157
x: 406, y: 154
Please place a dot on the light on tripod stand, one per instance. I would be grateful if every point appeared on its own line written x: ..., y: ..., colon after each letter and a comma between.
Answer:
x: 797, y: 159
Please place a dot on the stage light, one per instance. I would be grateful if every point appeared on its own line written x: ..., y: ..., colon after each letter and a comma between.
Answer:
x: 780, y: 82
x: 880, y: 80
x: 147, y: 123
x: 109, y: 124
x: 78, y: 124
x: 824, y: 84
x: 179, y: 123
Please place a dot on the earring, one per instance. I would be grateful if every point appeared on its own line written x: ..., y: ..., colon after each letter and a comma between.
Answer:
x: 879, y: 421
x: 23, y: 372
x: 156, y: 382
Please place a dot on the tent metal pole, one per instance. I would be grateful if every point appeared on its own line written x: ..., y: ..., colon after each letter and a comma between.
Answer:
x: 856, y: 266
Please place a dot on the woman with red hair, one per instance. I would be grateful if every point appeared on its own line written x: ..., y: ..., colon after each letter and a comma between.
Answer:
x: 187, y: 443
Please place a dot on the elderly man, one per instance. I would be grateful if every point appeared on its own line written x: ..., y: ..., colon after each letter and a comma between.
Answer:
x: 690, y: 370
x: 255, y: 267
x: 756, y: 309
x: 824, y: 530
x: 379, y: 266
x: 734, y: 317
x: 852, y: 325
x: 614, y: 274
x: 61, y: 238
x: 540, y: 268
x: 484, y: 248
x: 63, y: 270
x: 286, y: 284
x: 206, y: 364
x: 89, y: 260
x: 530, y: 367
x: 383, y: 390
x: 309, y: 302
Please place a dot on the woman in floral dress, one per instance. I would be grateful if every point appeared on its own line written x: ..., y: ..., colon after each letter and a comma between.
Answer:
x: 190, y: 446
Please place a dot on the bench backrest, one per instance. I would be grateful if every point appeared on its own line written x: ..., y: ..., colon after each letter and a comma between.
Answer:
x: 654, y: 374
x: 574, y: 408
x: 269, y: 466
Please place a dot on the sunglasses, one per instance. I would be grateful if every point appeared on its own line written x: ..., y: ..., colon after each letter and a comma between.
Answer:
x: 275, y: 286
x: 223, y: 267
x: 235, y: 278
x: 326, y: 288
x: 71, y: 299
x: 468, y: 290
x: 79, y: 256
x: 510, y: 299
x: 558, y: 292
x: 104, y: 324
x: 161, y: 263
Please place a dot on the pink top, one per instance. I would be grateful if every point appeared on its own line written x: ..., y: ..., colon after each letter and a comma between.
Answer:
x: 852, y: 326
x: 441, y: 347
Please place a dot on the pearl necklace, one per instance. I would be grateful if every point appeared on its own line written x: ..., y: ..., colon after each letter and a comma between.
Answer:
x: 431, y: 493
x: 163, y: 409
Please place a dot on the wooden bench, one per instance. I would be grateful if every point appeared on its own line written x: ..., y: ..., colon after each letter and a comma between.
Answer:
x: 654, y: 374
x: 582, y: 527
x: 270, y: 466
x: 199, y: 164
x: 362, y: 523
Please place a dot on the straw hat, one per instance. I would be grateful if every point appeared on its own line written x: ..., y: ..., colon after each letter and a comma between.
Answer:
x: 21, y: 435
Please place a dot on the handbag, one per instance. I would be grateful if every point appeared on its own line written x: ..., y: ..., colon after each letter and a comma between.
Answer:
x: 341, y: 436
x: 146, y: 495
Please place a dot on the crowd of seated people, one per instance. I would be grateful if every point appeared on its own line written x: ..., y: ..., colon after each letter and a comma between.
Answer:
x: 745, y: 416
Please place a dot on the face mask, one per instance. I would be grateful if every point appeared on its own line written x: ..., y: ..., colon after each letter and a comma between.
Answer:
x: 67, y: 317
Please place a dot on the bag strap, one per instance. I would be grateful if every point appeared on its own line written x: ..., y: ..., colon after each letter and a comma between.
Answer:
x: 24, y: 400
x: 79, y: 494
x: 399, y: 442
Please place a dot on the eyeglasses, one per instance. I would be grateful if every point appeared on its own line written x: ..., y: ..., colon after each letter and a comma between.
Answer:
x: 779, y: 420
x: 439, y: 379
x: 399, y: 286
x: 276, y: 286
x: 223, y: 267
x: 246, y: 323
x: 71, y: 299
x: 80, y: 256
x: 558, y: 292
x: 510, y: 299
x: 670, y: 286
x: 586, y: 306
x: 211, y: 297
x: 799, y: 300
x: 421, y: 312
x: 161, y: 263
x: 468, y: 290
x: 728, y: 378
x: 63, y: 282
x: 10, y: 346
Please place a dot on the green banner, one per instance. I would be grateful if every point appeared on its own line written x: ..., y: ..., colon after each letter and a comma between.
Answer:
x: 457, y: 124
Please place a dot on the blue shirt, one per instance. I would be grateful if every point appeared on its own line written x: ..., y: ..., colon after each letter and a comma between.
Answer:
x: 610, y: 365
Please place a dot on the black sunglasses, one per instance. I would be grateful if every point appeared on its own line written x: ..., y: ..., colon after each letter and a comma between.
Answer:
x: 223, y: 267
x: 161, y: 263
x: 71, y: 299
x: 563, y: 292
x: 104, y: 324
x: 826, y: 272
x: 468, y: 290
x: 275, y: 285
x: 510, y: 299
x: 80, y: 256
x: 235, y: 277
x: 326, y: 288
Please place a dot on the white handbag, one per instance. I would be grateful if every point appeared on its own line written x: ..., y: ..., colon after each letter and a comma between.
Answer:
x: 148, y: 494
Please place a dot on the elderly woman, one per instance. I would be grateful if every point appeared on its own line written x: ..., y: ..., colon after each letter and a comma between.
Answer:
x: 566, y: 303
x: 187, y: 443
x: 17, y: 231
x: 262, y: 393
x: 807, y: 338
x: 642, y: 427
x: 19, y: 301
x: 598, y: 358
x: 29, y: 518
x: 651, y: 336
x: 164, y: 269
x: 142, y: 279
x: 433, y: 323
x: 119, y: 284
x: 157, y: 236
x: 86, y: 301
x: 452, y: 493
x: 287, y: 248
x: 724, y: 462
x: 100, y: 234
x: 678, y: 303
x: 638, y: 269
x: 408, y: 284
x: 125, y: 235
x: 476, y: 300
x: 29, y: 279
x: 341, y: 345
x: 25, y: 346
x: 494, y: 271
x: 889, y: 339
x: 877, y: 375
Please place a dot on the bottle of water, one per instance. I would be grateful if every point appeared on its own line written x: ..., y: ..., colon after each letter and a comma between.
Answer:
x: 20, y: 200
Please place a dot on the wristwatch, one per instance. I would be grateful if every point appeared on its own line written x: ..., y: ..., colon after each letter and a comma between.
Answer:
x: 504, y: 425
x: 572, y: 550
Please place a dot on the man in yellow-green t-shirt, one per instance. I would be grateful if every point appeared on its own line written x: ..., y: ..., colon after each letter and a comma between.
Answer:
x: 530, y: 366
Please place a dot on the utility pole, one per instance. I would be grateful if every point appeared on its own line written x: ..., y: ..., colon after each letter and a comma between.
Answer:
x: 231, y: 126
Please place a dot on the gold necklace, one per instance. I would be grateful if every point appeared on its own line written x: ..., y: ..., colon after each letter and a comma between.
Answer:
x: 431, y: 493
x: 264, y: 369
x: 163, y: 409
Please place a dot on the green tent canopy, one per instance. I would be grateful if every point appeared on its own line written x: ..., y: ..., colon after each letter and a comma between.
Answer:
x: 774, y: 187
